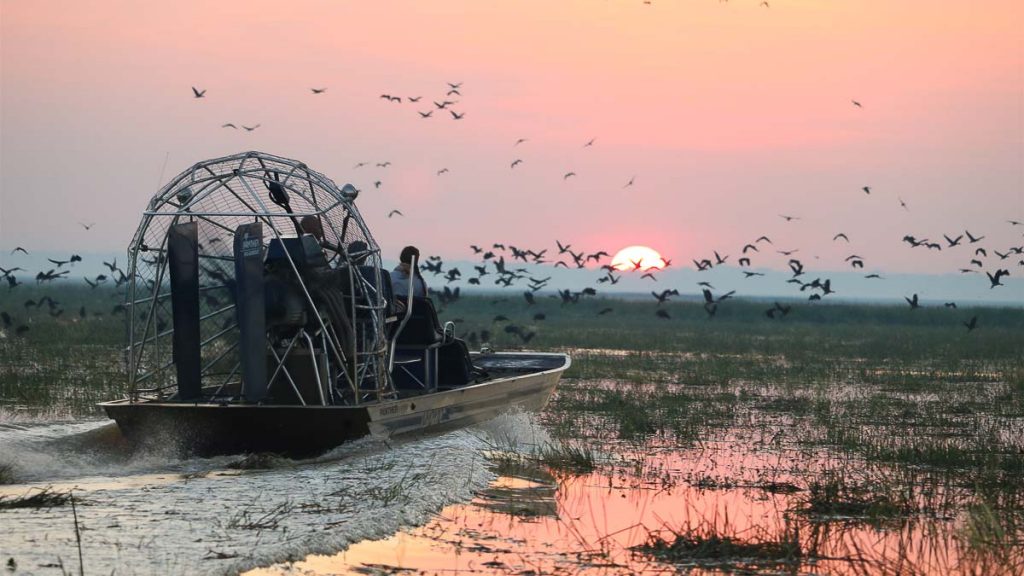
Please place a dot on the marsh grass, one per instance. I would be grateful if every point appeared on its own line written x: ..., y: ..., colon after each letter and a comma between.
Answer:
x: 43, y: 498
x: 709, y: 545
x: 837, y: 497
x: 247, y: 519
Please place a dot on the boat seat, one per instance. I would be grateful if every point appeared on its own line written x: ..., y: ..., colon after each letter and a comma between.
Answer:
x: 417, y: 347
x: 304, y: 251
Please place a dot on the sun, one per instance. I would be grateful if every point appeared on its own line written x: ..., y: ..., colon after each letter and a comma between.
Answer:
x: 638, y: 257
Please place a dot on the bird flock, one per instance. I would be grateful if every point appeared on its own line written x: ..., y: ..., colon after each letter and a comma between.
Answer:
x: 54, y: 308
x: 504, y: 264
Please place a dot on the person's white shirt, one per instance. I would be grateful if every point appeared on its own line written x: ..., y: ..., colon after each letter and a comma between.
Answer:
x: 400, y: 283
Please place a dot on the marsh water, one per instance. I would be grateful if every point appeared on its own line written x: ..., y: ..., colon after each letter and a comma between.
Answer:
x: 498, y: 498
x: 854, y: 439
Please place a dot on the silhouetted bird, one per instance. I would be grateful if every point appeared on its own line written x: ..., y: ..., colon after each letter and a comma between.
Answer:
x: 395, y: 213
x: 972, y: 239
x: 318, y: 90
x: 198, y: 93
x: 972, y: 323
x: 994, y: 278
x: 912, y: 301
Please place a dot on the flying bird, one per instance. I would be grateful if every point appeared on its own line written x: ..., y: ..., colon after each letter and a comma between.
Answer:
x: 519, y: 141
x: 857, y: 104
x: 426, y: 114
x: 568, y: 175
x: 229, y: 125
x: 589, y: 143
x: 995, y: 278
x: 840, y: 235
x: 198, y: 93
x: 912, y: 301
x: 87, y: 226
x: 972, y: 239
x: 971, y: 324
x: 250, y: 128
x: 318, y: 90
x: 395, y: 213
x: 456, y: 115
x: 866, y: 189
x: 442, y: 171
x: 516, y: 162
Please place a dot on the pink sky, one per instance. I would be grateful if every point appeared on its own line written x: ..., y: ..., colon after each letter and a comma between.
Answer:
x: 727, y: 114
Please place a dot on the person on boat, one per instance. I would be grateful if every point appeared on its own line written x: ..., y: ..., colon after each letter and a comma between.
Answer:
x: 400, y: 275
x: 358, y: 252
x: 312, y: 225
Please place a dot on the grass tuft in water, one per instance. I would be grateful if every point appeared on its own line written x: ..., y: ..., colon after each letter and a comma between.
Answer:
x: 722, y: 546
x: 573, y: 457
x: 44, y: 498
x: 835, y: 497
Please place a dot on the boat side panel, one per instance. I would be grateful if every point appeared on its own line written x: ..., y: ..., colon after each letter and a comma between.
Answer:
x: 464, y: 406
x: 204, y: 429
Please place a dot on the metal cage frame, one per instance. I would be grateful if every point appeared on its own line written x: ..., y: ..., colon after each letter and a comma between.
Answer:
x: 219, y: 195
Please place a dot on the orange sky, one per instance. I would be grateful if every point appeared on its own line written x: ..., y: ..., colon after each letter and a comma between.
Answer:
x: 726, y: 113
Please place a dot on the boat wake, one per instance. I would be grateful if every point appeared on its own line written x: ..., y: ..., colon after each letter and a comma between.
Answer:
x: 148, y: 512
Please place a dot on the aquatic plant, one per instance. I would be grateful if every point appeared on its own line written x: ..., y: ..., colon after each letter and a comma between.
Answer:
x: 43, y: 498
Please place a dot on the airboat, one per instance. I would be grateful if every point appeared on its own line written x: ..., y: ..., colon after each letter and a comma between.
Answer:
x: 260, y: 319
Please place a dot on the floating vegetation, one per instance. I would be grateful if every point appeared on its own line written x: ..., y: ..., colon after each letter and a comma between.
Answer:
x: 835, y: 497
x: 723, y: 547
x: 43, y: 498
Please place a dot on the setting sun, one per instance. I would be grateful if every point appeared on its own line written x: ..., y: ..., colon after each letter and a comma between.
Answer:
x: 638, y: 257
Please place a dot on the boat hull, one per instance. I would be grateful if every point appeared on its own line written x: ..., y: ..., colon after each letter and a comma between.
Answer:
x: 206, y: 429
